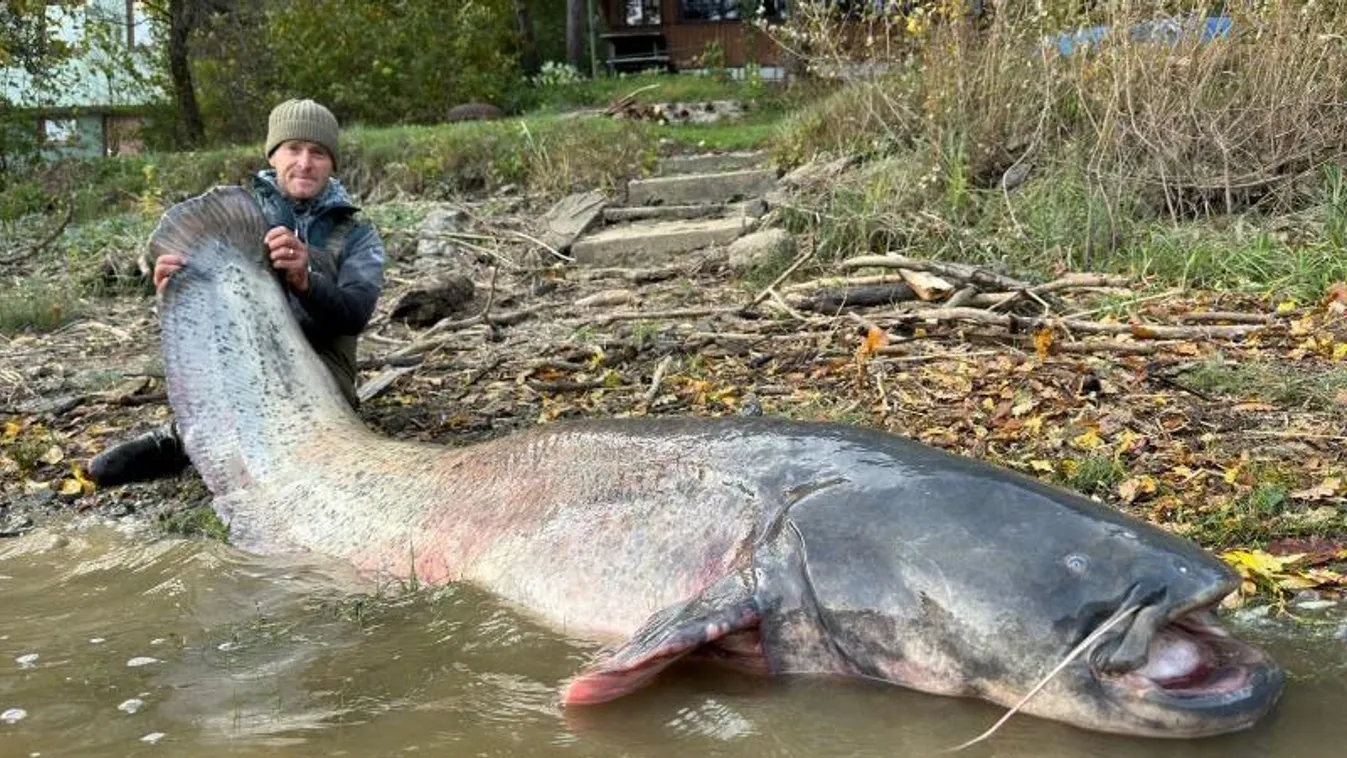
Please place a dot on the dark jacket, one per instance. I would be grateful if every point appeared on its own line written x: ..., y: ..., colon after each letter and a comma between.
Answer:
x: 344, y: 283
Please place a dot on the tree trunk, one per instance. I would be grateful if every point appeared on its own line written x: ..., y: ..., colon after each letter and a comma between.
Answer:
x: 182, y: 16
x: 528, y: 45
x: 575, y: 35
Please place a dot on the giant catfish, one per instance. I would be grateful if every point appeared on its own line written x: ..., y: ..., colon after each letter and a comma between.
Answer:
x: 776, y: 546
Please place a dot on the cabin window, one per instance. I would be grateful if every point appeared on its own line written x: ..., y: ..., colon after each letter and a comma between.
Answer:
x: 60, y: 132
x: 728, y: 10
x: 643, y: 13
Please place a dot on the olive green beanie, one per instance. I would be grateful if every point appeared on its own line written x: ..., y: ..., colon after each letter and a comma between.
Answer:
x: 303, y: 120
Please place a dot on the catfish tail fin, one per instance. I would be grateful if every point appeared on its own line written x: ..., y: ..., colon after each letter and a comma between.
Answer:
x: 227, y: 217
x: 246, y: 386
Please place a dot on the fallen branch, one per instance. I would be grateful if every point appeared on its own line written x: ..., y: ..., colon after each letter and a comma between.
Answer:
x: 1234, y: 318
x: 657, y: 379
x: 1138, y: 331
x: 769, y: 289
x: 633, y: 275
x: 669, y: 314
x: 983, y: 278
x: 834, y: 282
x: 51, y: 236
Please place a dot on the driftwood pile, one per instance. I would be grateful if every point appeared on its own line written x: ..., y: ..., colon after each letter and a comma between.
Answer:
x: 918, y: 309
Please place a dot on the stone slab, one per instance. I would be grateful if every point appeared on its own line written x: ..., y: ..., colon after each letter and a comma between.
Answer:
x: 647, y: 242
x: 701, y: 189
x: 571, y: 217
x: 648, y: 212
x: 704, y: 163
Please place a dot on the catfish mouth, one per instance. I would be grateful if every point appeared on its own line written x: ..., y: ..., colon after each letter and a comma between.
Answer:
x: 1184, y: 661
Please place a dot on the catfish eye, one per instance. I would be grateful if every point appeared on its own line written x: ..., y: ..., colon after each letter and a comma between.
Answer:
x: 1076, y: 563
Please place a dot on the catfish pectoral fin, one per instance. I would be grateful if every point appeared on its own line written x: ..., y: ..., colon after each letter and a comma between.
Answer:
x: 724, y: 609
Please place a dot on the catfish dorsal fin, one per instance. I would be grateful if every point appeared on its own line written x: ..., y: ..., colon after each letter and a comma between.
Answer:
x: 226, y: 217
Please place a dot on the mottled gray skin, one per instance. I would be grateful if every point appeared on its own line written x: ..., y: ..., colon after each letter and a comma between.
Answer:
x: 782, y: 547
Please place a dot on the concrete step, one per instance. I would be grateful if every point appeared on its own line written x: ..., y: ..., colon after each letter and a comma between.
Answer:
x: 701, y: 189
x: 663, y: 212
x: 651, y: 241
x: 706, y: 163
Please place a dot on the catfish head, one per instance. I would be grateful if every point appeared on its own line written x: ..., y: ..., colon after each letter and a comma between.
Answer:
x: 893, y: 561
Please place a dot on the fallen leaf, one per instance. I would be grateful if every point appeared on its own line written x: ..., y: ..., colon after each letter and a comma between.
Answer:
x: 1135, y: 487
x: 52, y: 456
x: 1325, y: 489
x: 1089, y: 440
x: 1043, y: 342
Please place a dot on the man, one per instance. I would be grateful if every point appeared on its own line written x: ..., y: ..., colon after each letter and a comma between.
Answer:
x: 332, y: 266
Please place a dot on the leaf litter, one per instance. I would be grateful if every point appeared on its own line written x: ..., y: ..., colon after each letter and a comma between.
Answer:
x: 1191, y: 430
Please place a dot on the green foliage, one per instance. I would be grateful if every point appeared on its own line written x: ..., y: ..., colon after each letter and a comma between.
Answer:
x: 370, y: 62
x: 194, y: 520
x: 1286, y: 385
x: 36, y: 305
x: 554, y: 74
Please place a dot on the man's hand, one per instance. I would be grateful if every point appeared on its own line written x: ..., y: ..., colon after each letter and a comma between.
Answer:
x: 165, y: 266
x: 289, y: 256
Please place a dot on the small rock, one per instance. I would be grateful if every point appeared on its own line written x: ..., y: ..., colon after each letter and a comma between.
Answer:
x: 755, y: 208
x: 27, y: 660
x: 760, y: 248
x: 474, y: 112
x: 1253, y: 613
x: 13, y: 715
x: 131, y: 705
x: 607, y: 298
x: 445, y: 219
x: 141, y: 660
x: 440, y: 297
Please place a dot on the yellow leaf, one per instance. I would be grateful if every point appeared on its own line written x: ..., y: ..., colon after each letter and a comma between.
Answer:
x: 1087, y: 441
x: 1043, y: 342
x: 12, y: 430
x: 1135, y: 487
x: 71, y: 487
x: 1257, y: 564
x: 1325, y: 489
x: 1040, y: 465
x: 1231, y: 474
x: 53, y: 456
x: 874, y: 340
x: 1286, y: 306
x: 86, y: 484
x: 1297, y: 582
x: 1340, y: 351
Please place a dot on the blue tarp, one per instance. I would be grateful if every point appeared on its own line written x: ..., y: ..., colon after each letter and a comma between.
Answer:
x: 1168, y: 30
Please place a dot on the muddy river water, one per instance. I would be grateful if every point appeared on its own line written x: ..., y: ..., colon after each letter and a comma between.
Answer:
x: 119, y: 644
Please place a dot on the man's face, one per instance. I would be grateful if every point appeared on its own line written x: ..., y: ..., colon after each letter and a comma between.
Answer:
x: 302, y: 168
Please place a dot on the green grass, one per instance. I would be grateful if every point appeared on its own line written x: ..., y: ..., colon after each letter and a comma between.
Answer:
x: 1280, y: 384
x: 33, y: 305
x: 194, y: 520
x: 1096, y: 475
x: 654, y: 88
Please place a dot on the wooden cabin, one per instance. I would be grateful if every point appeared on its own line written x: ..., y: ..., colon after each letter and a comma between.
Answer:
x: 677, y: 35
